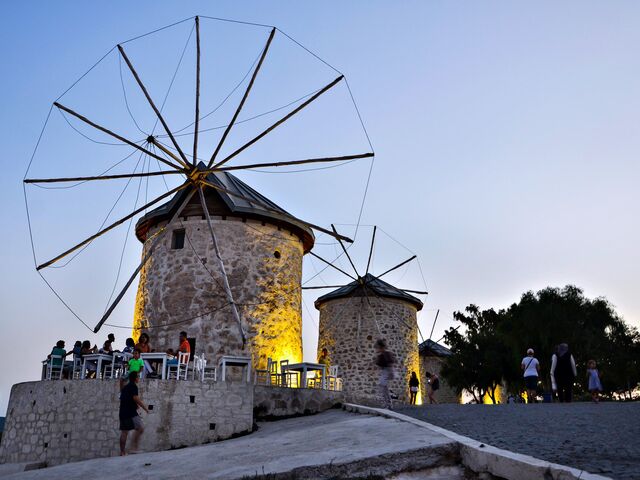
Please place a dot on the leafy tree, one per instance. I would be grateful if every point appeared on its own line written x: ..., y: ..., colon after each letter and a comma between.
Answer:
x: 491, y: 345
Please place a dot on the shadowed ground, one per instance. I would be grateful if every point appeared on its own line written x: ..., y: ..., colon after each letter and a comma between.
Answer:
x: 599, y: 438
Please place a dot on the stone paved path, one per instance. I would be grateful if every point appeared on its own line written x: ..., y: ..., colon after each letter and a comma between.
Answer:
x: 599, y: 438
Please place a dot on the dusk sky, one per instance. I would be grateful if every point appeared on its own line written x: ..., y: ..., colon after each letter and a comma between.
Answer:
x: 505, y: 134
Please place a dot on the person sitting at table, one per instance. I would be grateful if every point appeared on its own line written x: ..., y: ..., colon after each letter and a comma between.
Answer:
x: 143, y: 343
x: 77, y: 349
x: 184, y: 347
x: 86, y: 349
x: 130, y: 346
x: 145, y: 347
x: 57, y: 362
x: 106, y: 348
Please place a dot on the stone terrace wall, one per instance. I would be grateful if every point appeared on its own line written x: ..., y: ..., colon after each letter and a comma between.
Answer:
x: 445, y: 394
x: 65, y: 421
x: 284, y: 402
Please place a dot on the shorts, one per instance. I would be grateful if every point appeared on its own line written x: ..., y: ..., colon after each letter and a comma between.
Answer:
x: 133, y: 423
x: 531, y: 382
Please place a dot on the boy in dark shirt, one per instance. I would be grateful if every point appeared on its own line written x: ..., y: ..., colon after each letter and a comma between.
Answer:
x: 129, y: 418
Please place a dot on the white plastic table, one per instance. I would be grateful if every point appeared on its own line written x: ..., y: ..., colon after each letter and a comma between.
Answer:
x: 232, y: 361
x: 99, y: 357
x: 304, y: 367
x: 157, y: 356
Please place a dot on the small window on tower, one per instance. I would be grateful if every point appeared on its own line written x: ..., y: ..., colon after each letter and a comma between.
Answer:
x: 177, y: 241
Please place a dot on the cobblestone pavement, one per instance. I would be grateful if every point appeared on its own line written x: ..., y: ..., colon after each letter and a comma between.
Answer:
x: 599, y: 438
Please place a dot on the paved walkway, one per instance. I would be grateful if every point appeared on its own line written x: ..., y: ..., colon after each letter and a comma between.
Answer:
x: 330, y: 439
x: 599, y: 438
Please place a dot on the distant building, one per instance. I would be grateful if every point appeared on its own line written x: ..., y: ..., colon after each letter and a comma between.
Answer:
x: 432, y: 357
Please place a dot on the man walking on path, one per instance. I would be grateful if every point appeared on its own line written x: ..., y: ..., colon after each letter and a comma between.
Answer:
x: 129, y: 418
x: 563, y: 372
x: 385, y: 360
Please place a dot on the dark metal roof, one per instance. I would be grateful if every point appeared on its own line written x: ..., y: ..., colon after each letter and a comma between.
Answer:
x: 257, y: 206
x: 434, y: 349
x: 371, y: 286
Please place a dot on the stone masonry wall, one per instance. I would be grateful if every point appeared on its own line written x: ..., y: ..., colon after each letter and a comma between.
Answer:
x: 349, y: 329
x: 70, y: 420
x: 285, y: 402
x: 264, y: 266
x: 432, y: 364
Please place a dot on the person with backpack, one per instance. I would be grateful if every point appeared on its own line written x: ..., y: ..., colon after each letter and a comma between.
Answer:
x: 384, y: 360
x: 531, y: 368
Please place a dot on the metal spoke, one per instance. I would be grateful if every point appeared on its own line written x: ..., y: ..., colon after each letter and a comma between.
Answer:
x: 281, y: 121
x: 397, y: 266
x: 153, y: 106
x: 331, y: 265
x: 116, y: 136
x: 110, y: 227
x: 197, y: 122
x: 244, y: 98
x: 345, y: 251
x: 146, y: 258
x: 320, y: 287
x: 291, y: 162
x: 103, y: 177
x: 373, y: 239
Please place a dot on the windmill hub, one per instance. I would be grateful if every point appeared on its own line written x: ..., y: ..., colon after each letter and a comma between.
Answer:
x: 151, y: 139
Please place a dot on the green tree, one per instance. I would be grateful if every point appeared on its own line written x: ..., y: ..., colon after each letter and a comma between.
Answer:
x: 491, y: 345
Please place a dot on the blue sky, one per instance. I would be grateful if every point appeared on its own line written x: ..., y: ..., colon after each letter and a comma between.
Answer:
x: 505, y: 134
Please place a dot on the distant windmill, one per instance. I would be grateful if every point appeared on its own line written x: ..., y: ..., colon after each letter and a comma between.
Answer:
x: 355, y: 315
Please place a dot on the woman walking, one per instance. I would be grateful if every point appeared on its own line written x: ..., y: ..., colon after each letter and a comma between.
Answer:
x: 414, y: 386
x: 531, y: 368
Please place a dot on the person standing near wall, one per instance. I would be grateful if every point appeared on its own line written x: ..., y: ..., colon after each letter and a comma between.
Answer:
x: 414, y: 386
x: 384, y: 360
x: 531, y: 368
x: 129, y: 418
x: 563, y: 372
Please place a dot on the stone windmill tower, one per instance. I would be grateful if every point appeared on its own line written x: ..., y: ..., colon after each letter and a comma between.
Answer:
x: 261, y: 246
x: 354, y: 316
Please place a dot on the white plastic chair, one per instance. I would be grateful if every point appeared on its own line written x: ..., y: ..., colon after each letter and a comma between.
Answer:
x: 333, y: 381
x: 76, y: 369
x: 264, y: 374
x: 287, y: 376
x: 181, y: 368
x: 54, y: 371
x: 201, y: 371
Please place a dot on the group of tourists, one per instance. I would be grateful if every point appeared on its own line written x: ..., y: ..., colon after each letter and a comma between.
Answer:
x: 563, y: 373
x: 385, y: 361
x: 134, y: 363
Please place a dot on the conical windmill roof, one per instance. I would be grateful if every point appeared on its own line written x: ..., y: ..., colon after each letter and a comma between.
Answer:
x: 370, y: 285
x: 257, y: 207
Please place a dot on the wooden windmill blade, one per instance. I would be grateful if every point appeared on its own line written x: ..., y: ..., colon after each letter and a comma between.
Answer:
x: 244, y: 98
x: 153, y: 105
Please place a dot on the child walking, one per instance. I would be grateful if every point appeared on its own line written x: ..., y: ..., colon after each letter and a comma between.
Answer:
x: 595, y: 387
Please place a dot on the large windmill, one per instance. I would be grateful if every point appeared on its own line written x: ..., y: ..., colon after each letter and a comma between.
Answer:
x: 355, y: 315
x: 209, y: 200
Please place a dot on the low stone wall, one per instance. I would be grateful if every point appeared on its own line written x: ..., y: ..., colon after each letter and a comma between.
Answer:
x: 70, y: 420
x: 286, y: 402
